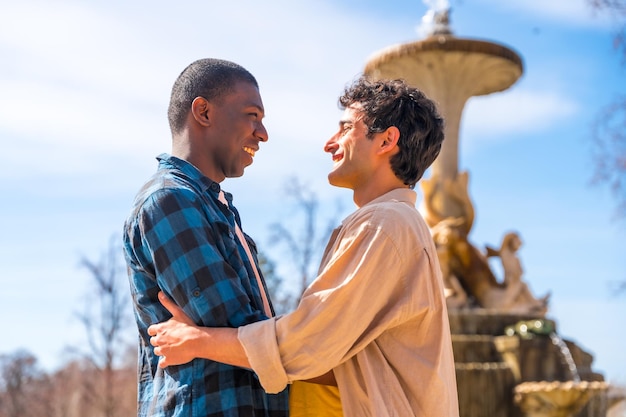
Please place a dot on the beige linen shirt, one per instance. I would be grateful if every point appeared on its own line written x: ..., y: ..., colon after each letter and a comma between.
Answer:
x: 376, y: 315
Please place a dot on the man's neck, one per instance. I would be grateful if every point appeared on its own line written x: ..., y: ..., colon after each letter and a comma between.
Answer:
x: 364, y: 195
x: 185, y: 152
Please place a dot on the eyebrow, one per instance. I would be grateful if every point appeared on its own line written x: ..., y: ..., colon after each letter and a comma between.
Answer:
x: 256, y: 106
x: 342, y: 123
x: 354, y: 121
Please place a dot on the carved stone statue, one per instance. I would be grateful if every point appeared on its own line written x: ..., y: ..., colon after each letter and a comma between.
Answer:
x: 468, y: 276
x: 456, y: 196
x: 462, y: 262
x: 518, y: 291
x: 456, y: 296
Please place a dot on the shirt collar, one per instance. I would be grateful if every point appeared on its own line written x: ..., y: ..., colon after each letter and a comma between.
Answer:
x: 403, y: 195
x: 193, y: 173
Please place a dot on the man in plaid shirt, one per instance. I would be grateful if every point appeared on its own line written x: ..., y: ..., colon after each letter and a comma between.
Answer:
x: 183, y: 237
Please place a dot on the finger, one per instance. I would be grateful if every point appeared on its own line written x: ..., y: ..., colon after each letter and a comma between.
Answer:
x: 170, y: 305
x: 153, y: 330
x: 176, y: 311
x: 163, y: 362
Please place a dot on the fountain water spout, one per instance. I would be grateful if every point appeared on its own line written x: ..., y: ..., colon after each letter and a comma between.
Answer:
x: 566, y: 354
x: 527, y: 329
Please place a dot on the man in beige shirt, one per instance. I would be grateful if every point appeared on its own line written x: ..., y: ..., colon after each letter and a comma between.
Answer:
x: 374, y: 321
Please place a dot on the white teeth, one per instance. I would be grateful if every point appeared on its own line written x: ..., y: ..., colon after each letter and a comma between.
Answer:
x: 249, y: 150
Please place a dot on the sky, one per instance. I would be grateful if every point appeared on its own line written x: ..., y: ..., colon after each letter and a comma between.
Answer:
x: 84, y: 88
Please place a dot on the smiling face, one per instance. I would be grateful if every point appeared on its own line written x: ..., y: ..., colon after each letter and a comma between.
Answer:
x: 352, y: 152
x: 236, y: 128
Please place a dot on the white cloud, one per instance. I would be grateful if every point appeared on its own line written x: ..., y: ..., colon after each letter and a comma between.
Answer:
x: 73, y: 44
x: 516, y: 112
x: 84, y: 80
x: 65, y: 115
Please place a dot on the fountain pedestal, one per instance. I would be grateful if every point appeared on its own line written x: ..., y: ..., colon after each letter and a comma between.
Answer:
x: 508, y: 374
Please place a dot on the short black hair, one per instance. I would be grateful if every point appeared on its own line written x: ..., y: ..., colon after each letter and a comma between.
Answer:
x: 209, y: 78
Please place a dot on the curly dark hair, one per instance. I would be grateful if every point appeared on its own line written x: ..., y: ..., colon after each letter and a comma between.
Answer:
x: 387, y: 103
x: 209, y: 78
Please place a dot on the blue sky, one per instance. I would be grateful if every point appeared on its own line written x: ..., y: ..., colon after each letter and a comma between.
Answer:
x: 84, y: 88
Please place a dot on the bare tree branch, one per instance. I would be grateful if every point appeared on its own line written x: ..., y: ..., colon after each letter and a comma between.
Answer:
x: 609, y: 129
x: 103, y: 318
x: 304, y: 244
x: 609, y: 151
x: 616, y: 9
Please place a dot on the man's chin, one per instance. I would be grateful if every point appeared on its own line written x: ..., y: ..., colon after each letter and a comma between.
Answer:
x: 336, y: 182
x: 236, y: 174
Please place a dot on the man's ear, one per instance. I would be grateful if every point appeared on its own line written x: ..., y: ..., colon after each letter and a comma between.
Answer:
x: 201, y: 111
x: 389, y: 141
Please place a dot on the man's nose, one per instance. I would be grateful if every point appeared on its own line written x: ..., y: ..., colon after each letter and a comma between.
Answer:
x: 330, y: 144
x: 261, y: 133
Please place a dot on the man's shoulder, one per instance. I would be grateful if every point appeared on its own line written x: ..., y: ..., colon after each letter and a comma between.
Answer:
x: 389, y: 213
x: 397, y: 220
x: 166, y: 191
x: 167, y: 182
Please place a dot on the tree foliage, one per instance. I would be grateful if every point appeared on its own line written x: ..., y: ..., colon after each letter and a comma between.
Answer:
x: 19, y: 375
x: 99, y: 380
x: 26, y: 390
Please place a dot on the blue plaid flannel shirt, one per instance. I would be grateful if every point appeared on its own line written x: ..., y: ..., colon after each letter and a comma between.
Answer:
x: 180, y: 239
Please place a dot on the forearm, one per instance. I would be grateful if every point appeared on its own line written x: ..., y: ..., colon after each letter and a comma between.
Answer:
x: 179, y: 340
x: 221, y: 344
x: 179, y: 346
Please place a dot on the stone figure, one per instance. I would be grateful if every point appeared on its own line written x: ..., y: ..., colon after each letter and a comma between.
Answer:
x: 456, y: 192
x: 466, y: 271
x: 511, y: 264
x: 463, y: 262
x: 456, y: 296
x: 469, y: 278
x: 518, y: 291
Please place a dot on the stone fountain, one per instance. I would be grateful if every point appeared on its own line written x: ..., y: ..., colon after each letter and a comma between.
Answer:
x: 510, y: 360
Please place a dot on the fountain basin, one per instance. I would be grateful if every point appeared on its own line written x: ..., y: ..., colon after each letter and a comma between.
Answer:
x: 556, y: 398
